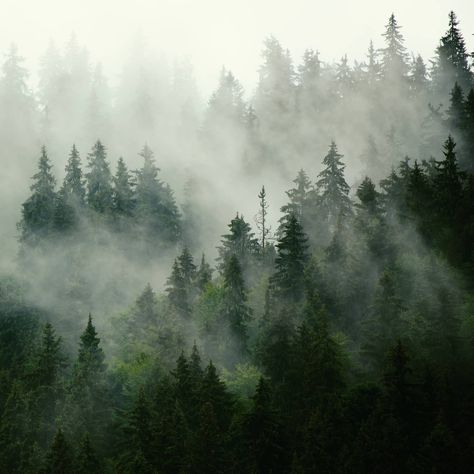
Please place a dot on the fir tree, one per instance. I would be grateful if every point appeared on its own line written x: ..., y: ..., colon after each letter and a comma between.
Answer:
x: 236, y: 312
x: 288, y: 279
x: 99, y: 180
x: 38, y: 210
x: 333, y: 198
x: 122, y: 198
x: 59, y: 460
x: 261, y: 219
x: 87, y: 461
x: 394, y: 56
x: 203, y: 274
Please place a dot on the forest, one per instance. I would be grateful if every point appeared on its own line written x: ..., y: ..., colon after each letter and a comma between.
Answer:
x: 271, y: 282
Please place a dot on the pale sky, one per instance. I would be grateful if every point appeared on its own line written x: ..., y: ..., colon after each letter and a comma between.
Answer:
x: 221, y: 32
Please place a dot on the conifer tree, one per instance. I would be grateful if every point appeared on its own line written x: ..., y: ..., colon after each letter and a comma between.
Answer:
x: 368, y: 196
x: 452, y: 60
x: 457, y: 110
x: 300, y: 200
x: 122, y: 198
x: 333, y: 190
x: 203, y: 274
x: 261, y: 219
x: 288, y: 279
x: 236, y: 312
x: 38, y: 210
x: 240, y: 241
x: 59, y: 459
x: 73, y: 184
x: 394, y: 56
x: 99, y: 180
x: 87, y: 461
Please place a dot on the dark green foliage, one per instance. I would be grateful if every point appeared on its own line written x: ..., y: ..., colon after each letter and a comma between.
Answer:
x: 38, y: 210
x: 123, y: 198
x: 290, y: 262
x: 99, y: 180
x: 240, y: 241
x: 60, y: 459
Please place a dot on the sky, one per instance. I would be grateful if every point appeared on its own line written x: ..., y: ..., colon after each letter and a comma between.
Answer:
x: 214, y: 33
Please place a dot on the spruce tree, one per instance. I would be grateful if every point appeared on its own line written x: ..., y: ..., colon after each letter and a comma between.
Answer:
x: 240, y: 241
x: 123, y: 201
x: 38, y: 210
x: 99, y: 180
x: 262, y: 220
x: 333, y: 190
x: 300, y: 200
x: 288, y: 279
x: 235, y: 309
x: 59, y: 459
x: 394, y: 55
x: 457, y: 110
x: 87, y: 461
x: 203, y: 274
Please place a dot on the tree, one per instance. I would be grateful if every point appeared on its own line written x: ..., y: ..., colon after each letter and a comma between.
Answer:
x: 71, y: 196
x: 394, y: 56
x: 123, y: 202
x: 38, y: 210
x: 240, y: 241
x: 59, y: 460
x: 156, y: 207
x: 300, y: 200
x: 87, y: 461
x: 418, y: 76
x: 457, y: 110
x: 288, y: 279
x: 261, y: 219
x: 368, y: 196
x: 99, y: 180
x: 333, y: 198
x: 203, y: 274
x: 90, y: 360
x: 236, y: 312
x: 452, y: 60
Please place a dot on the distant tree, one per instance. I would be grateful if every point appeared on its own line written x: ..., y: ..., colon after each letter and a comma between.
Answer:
x: 123, y: 202
x: 368, y: 196
x: 394, y: 55
x: 99, y: 180
x: 457, y: 110
x: 203, y: 274
x: 300, y: 200
x: 418, y: 76
x: 38, y: 210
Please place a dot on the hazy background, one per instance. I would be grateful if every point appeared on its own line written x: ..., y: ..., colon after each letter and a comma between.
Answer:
x: 217, y: 32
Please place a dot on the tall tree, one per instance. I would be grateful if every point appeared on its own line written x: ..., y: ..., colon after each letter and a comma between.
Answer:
x: 333, y: 199
x: 394, y: 55
x: 261, y: 219
x: 290, y: 262
x: 123, y: 201
x: 38, y: 210
x: 99, y: 180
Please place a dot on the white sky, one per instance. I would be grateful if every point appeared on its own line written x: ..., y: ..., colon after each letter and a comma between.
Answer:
x: 217, y: 32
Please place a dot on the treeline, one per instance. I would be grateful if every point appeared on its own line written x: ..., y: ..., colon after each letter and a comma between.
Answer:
x: 121, y: 201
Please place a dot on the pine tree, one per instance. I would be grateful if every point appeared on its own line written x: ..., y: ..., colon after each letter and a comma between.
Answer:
x: 156, y: 207
x: 71, y: 196
x: 235, y: 309
x: 59, y: 459
x: 99, y: 180
x: 368, y: 196
x: 203, y: 275
x: 418, y: 76
x: 240, y: 241
x: 50, y: 359
x: 394, y: 56
x: 122, y: 198
x: 38, y: 210
x: 372, y: 66
x: 452, y: 60
x: 300, y: 200
x: 261, y: 219
x: 90, y: 360
x: 87, y: 461
x: 333, y: 190
x: 457, y: 110
x: 288, y: 279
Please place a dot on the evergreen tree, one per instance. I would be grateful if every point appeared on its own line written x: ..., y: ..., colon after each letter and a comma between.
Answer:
x: 457, y: 110
x: 122, y: 198
x: 300, y: 200
x: 261, y: 219
x: 394, y: 56
x: 240, y: 241
x: 156, y: 207
x: 452, y: 60
x: 333, y: 198
x: 38, y: 210
x: 59, y: 460
x: 235, y: 309
x: 203, y: 274
x: 87, y: 461
x: 288, y: 279
x: 99, y: 180
x: 368, y: 196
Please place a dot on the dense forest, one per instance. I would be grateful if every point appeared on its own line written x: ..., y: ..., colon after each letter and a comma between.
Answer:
x: 330, y: 330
